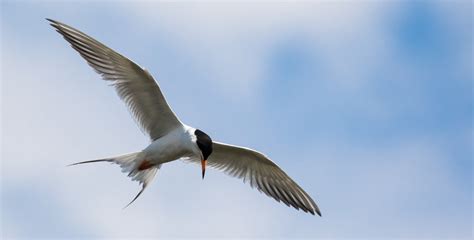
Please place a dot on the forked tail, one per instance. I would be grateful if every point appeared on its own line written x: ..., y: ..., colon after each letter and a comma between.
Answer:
x: 130, y: 163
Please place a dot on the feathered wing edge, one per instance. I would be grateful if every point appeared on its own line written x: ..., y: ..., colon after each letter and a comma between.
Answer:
x: 263, y: 174
x: 135, y: 86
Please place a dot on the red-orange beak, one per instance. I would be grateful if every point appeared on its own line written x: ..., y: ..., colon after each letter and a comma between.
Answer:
x: 203, y: 166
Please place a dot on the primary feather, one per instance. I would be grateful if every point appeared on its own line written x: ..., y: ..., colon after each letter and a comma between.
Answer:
x: 261, y: 173
x: 134, y: 85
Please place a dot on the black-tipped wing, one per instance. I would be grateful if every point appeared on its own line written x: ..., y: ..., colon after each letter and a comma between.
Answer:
x: 262, y: 173
x: 134, y: 85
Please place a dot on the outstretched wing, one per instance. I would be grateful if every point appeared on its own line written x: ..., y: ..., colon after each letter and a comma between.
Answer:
x: 134, y: 85
x: 262, y: 173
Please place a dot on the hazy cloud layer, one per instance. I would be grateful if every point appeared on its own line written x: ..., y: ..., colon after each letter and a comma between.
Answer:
x: 368, y: 106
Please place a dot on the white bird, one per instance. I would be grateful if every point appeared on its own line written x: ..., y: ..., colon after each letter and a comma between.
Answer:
x: 170, y: 138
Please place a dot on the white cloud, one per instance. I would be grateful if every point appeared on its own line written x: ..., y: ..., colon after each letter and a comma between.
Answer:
x: 60, y: 113
x: 371, y: 192
x: 231, y: 41
x: 54, y: 117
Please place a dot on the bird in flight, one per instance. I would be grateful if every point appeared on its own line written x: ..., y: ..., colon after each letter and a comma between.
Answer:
x: 170, y: 138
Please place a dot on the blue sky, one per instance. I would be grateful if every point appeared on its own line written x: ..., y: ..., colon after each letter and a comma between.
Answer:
x: 368, y: 106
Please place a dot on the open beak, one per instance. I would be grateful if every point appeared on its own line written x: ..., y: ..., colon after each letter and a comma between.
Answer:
x: 203, y: 165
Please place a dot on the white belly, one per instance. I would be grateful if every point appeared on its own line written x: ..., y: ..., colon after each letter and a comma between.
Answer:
x: 177, y: 144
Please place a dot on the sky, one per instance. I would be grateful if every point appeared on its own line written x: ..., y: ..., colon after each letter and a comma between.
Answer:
x: 367, y: 105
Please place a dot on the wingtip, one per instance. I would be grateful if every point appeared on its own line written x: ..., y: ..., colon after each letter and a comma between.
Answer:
x: 313, y: 211
x: 317, y: 212
x: 51, y: 21
x: 54, y: 23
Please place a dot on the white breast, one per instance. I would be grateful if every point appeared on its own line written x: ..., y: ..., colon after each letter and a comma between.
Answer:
x: 179, y: 143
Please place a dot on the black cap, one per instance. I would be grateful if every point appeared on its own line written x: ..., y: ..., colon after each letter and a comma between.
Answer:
x: 204, y: 143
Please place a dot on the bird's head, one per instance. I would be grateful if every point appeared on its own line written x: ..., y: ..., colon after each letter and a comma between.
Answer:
x: 204, y: 143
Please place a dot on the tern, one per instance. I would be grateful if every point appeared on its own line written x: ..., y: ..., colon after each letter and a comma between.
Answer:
x: 170, y: 138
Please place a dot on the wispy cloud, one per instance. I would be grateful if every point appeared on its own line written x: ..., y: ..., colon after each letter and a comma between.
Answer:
x: 370, y: 116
